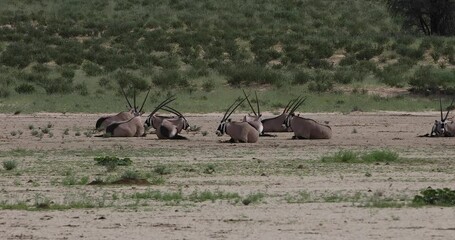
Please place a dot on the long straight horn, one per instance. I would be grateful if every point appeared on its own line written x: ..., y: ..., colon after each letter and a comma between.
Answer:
x: 297, y: 105
x: 124, y: 94
x: 143, y: 103
x: 227, y: 110
x: 440, y: 107
x: 289, y: 105
x: 257, y: 103
x: 238, y: 104
x: 134, y: 99
x: 249, y: 103
x: 448, y: 110
x: 172, y: 110
x: 163, y: 103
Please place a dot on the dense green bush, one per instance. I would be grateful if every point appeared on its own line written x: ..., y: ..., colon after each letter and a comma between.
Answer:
x: 428, y: 79
x: 253, y: 74
x: 57, y: 85
x: 170, y: 79
x: 438, y: 197
x: 126, y: 78
x: 91, y: 68
x: 25, y: 88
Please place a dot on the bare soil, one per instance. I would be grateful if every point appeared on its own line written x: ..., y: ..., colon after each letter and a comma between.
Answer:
x: 304, y: 198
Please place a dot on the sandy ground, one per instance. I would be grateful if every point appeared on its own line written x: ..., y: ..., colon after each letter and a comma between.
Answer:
x: 277, y: 167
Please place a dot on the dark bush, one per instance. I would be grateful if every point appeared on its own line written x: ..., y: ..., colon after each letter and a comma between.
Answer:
x: 81, y: 88
x: 67, y: 72
x: 253, y: 74
x: 302, y: 77
x: 91, y: 68
x: 58, y: 85
x: 322, y: 82
x: 170, y: 79
x: 437, y: 197
x: 428, y: 79
x: 25, y: 88
x: 125, y: 78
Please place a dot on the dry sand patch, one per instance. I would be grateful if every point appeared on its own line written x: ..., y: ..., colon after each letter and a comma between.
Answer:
x: 279, y: 168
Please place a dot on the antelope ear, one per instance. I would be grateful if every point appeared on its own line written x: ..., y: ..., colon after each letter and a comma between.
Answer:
x: 229, y: 120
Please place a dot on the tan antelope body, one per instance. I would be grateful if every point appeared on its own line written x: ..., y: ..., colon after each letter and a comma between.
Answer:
x: 154, y: 120
x: 275, y: 124
x: 170, y: 128
x: 305, y: 128
x: 242, y: 132
x: 443, y: 128
x: 103, y: 122
x: 130, y: 128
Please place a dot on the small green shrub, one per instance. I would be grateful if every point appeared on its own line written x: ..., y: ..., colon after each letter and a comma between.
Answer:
x: 91, y: 68
x: 437, y: 197
x: 130, y: 174
x: 380, y: 156
x: 162, y: 170
x: 345, y: 156
x: 253, y: 198
x: 9, y: 164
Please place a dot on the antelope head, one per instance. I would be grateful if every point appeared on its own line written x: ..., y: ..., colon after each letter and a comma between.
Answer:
x: 294, y: 104
x: 225, y: 120
x: 133, y: 109
x: 439, y: 127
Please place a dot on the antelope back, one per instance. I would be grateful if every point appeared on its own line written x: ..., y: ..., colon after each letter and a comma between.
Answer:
x: 156, y: 120
x: 309, y: 129
x: 254, y: 121
x: 103, y: 122
x: 275, y: 124
x: 242, y: 132
x: 130, y: 128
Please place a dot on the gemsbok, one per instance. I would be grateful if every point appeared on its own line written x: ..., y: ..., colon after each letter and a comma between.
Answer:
x: 171, y: 127
x: 305, y: 128
x: 154, y: 120
x: 256, y: 119
x: 242, y: 132
x: 275, y: 124
x: 103, y: 122
x: 133, y: 127
x: 443, y: 128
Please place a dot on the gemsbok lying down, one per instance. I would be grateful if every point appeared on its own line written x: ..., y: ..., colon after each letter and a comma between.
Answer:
x: 305, y: 128
x: 275, y: 124
x: 133, y: 127
x: 154, y: 120
x: 443, y: 128
x: 238, y: 131
x: 256, y: 119
x: 105, y: 121
x: 171, y: 127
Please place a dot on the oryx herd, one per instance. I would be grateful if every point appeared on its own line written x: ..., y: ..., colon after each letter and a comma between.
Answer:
x: 247, y: 130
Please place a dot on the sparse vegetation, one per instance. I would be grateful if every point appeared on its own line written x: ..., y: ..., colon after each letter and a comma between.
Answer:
x: 349, y: 156
x: 9, y: 164
x: 436, y: 197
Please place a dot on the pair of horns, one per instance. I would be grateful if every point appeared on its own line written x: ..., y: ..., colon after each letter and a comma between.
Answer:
x: 134, y: 99
x: 163, y: 104
x: 448, y: 110
x: 232, y: 109
x: 173, y: 110
x: 294, y: 104
x: 251, y: 106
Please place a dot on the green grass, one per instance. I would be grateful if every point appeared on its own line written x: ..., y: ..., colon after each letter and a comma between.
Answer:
x: 9, y: 164
x: 349, y: 156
